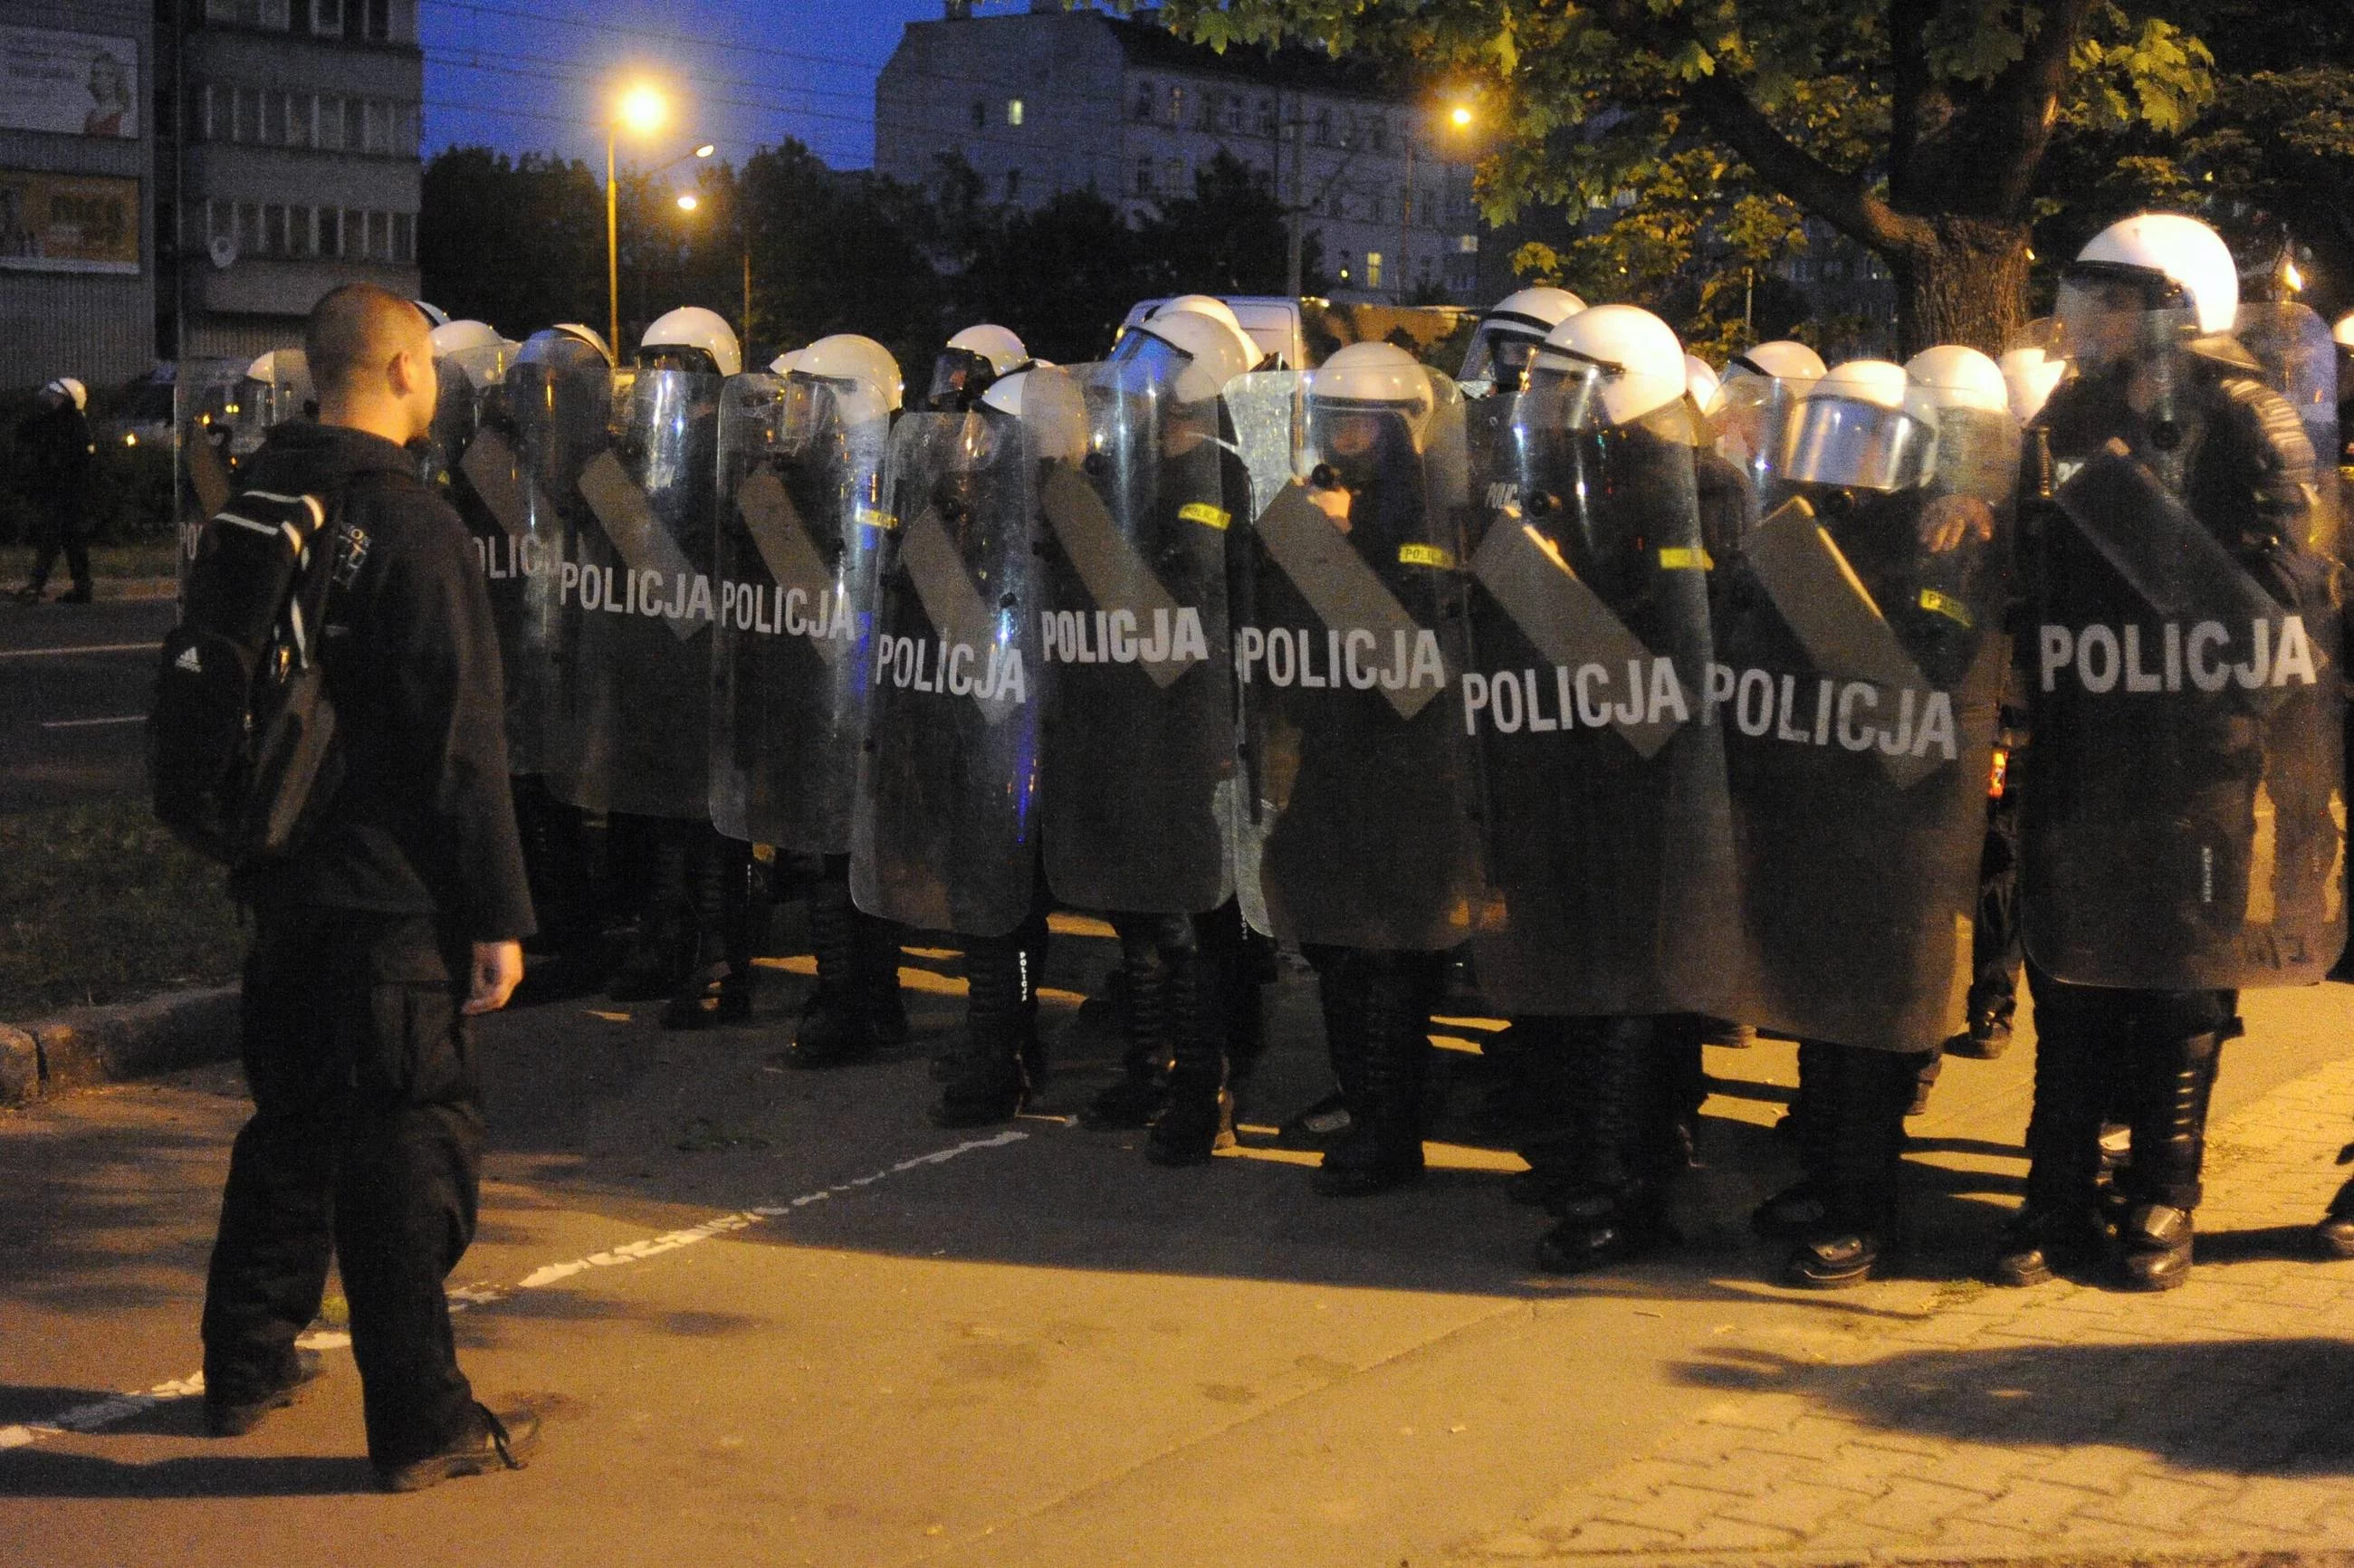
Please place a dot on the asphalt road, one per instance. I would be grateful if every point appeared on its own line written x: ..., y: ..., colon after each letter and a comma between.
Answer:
x: 74, y: 684
x: 774, y: 1317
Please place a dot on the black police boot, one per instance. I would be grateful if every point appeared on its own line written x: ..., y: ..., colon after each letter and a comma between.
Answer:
x: 2060, y: 1225
x: 744, y: 920
x: 1799, y: 1209
x: 1135, y: 1097
x: 1198, y: 1118
x: 710, y: 861
x: 986, y: 1074
x: 1614, y: 1208
x: 1383, y: 1147
x: 2169, y: 1145
x: 663, y: 954
x: 1339, y: 997
x: 2334, y: 1234
x: 878, y: 977
x: 834, y: 1026
x: 1863, y: 1117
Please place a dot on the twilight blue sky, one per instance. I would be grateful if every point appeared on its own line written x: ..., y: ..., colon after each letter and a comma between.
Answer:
x: 536, y: 75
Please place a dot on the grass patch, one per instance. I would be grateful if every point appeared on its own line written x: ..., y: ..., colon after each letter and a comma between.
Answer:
x: 101, y: 904
x: 146, y: 558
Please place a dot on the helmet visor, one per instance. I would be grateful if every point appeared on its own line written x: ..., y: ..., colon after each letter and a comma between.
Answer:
x: 1856, y: 445
x: 1501, y: 354
x: 959, y: 378
x: 1565, y: 388
x: 2108, y: 312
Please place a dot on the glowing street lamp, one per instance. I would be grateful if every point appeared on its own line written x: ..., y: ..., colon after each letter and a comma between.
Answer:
x: 1459, y: 117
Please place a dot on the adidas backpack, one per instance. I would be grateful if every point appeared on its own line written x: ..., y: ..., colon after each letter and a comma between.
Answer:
x: 241, y: 738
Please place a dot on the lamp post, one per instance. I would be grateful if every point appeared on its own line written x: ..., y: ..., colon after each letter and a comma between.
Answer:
x: 641, y: 110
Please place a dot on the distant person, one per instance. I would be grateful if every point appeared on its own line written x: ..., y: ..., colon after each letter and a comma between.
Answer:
x: 393, y: 923
x: 54, y: 445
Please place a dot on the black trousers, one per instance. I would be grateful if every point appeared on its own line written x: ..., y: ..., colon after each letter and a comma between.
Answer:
x: 1996, y: 955
x: 56, y: 527
x: 365, y: 1145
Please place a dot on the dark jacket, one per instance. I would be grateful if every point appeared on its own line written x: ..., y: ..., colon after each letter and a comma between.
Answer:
x: 421, y: 822
x: 55, y: 446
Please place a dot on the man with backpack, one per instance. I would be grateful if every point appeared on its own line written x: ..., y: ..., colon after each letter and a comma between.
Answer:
x: 389, y: 918
x: 54, y: 442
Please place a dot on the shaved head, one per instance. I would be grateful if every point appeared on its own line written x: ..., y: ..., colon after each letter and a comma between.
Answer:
x: 371, y: 355
x: 355, y: 331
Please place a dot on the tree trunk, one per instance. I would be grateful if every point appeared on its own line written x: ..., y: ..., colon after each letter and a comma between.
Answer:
x: 1965, y: 282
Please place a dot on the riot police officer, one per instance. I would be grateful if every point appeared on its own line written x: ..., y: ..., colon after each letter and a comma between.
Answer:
x: 1613, y: 922
x: 1860, y: 649
x: 1357, y: 771
x: 973, y: 361
x: 801, y: 526
x: 1138, y: 770
x: 2186, y: 665
x: 1505, y: 343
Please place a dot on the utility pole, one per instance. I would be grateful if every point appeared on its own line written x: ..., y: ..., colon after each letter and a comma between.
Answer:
x: 1406, y: 212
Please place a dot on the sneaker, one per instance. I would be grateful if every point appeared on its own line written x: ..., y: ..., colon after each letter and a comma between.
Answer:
x: 226, y: 1419
x: 501, y: 1441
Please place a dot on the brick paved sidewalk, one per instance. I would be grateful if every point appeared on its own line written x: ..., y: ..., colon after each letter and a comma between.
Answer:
x: 2069, y: 1423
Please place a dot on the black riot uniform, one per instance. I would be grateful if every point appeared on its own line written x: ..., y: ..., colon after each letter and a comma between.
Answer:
x: 2139, y: 824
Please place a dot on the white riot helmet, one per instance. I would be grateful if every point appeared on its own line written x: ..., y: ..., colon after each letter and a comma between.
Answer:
x: 1866, y: 425
x: 1049, y: 405
x: 1201, y: 305
x: 587, y: 335
x: 475, y: 348
x: 1374, y: 374
x: 785, y: 363
x: 1700, y: 380
x: 1614, y: 365
x: 853, y: 362
x: 435, y: 316
x: 972, y: 360
x: 1214, y: 351
x: 2029, y: 374
x: 1507, y: 338
x: 2343, y: 333
x: 2172, y: 260
x: 71, y: 390
x: 691, y: 338
x: 1783, y: 359
x: 1955, y: 377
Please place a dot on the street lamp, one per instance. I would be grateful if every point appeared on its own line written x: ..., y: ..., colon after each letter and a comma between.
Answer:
x: 640, y: 110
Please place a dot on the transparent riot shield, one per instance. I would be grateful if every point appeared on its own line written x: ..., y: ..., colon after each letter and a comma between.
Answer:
x: 2183, y: 820
x: 1606, y: 813
x: 1861, y: 648
x: 1140, y: 733
x: 557, y: 415
x: 276, y: 390
x: 2300, y: 362
x: 1745, y: 420
x: 471, y: 460
x: 1357, y: 788
x: 203, y: 403
x: 944, y: 833
x: 640, y: 674
x: 801, y: 526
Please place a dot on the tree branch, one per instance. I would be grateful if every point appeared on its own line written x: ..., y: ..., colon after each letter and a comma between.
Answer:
x: 1839, y: 199
x: 2012, y: 124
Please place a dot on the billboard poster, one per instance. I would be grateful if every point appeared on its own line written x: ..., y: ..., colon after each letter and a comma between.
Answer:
x: 75, y: 84
x: 68, y: 223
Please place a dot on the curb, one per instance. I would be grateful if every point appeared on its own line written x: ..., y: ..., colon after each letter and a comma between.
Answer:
x: 85, y: 1046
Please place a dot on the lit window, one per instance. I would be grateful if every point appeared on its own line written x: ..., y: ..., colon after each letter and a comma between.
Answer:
x: 1373, y: 268
x: 1013, y: 111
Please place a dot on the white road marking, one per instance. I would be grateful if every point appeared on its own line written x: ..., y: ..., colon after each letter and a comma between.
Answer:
x: 85, y: 648
x: 119, y: 1408
x: 86, y: 724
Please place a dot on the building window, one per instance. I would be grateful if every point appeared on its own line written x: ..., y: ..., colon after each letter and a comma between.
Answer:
x: 404, y: 237
x: 1172, y: 173
x: 980, y: 114
x: 1324, y: 126
x: 1013, y: 111
x: 1381, y: 134
x: 1012, y: 185
x: 1373, y: 268
x: 1144, y: 176
x: 1142, y: 108
x: 331, y: 121
x: 1230, y: 112
x: 1268, y: 124
x: 1177, y: 106
x: 1346, y: 270
x: 327, y: 18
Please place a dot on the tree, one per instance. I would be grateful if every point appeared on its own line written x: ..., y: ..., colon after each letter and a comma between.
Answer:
x: 1227, y: 237
x: 516, y: 242
x: 1060, y: 277
x: 1919, y: 128
x: 839, y: 252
